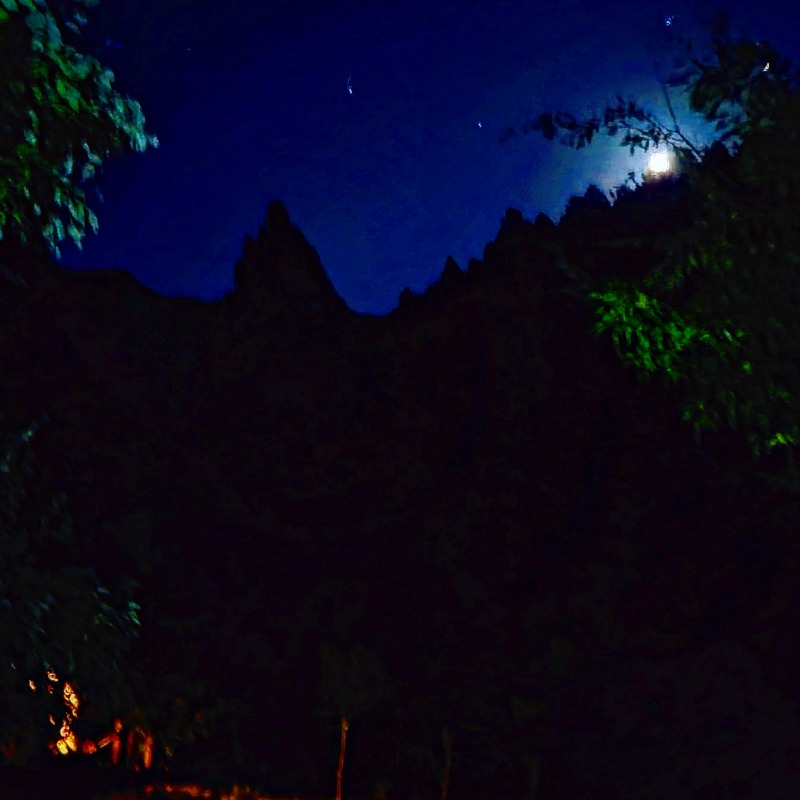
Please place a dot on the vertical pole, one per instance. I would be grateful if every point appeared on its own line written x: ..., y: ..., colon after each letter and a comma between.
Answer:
x: 342, y: 744
x: 447, y: 739
x: 445, y: 778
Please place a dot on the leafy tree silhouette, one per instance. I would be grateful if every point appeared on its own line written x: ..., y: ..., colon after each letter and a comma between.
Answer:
x: 53, y: 615
x: 715, y: 313
x: 59, y: 118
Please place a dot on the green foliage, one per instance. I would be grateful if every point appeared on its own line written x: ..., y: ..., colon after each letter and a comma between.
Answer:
x: 646, y: 332
x: 53, y: 614
x: 59, y: 118
x: 716, y: 312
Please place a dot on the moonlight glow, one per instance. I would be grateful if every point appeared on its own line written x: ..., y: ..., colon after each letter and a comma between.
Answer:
x: 659, y: 163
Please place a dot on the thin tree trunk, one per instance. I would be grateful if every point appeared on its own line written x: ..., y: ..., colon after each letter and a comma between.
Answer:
x: 445, y: 778
x: 447, y: 739
x: 342, y: 744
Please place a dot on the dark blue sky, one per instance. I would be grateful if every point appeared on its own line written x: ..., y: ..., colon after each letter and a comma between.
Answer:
x: 250, y: 101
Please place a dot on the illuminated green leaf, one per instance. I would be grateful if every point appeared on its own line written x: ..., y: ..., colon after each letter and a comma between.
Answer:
x: 37, y: 22
x: 69, y: 93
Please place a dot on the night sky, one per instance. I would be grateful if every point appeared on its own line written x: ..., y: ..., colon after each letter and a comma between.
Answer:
x: 376, y: 123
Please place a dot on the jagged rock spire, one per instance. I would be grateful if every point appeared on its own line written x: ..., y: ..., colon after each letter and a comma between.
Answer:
x: 281, y: 268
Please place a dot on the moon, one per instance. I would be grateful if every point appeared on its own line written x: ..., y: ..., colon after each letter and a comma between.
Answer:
x: 660, y: 163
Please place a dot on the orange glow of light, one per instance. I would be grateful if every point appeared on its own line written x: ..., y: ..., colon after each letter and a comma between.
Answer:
x: 32, y: 685
x: 113, y: 739
x: 237, y: 792
x: 69, y: 740
x: 190, y: 789
x: 139, y: 746
x: 71, y: 698
x: 147, y: 752
x: 140, y: 743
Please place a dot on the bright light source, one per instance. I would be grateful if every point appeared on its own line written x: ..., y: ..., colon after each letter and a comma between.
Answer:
x: 659, y: 164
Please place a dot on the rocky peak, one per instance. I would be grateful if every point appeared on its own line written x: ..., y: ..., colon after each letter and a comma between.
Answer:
x: 279, y: 268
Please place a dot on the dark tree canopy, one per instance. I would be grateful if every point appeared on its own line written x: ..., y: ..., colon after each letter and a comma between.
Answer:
x: 55, y: 614
x: 716, y: 311
x: 60, y: 117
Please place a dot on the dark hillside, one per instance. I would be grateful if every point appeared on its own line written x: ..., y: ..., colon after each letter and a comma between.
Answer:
x: 471, y: 493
